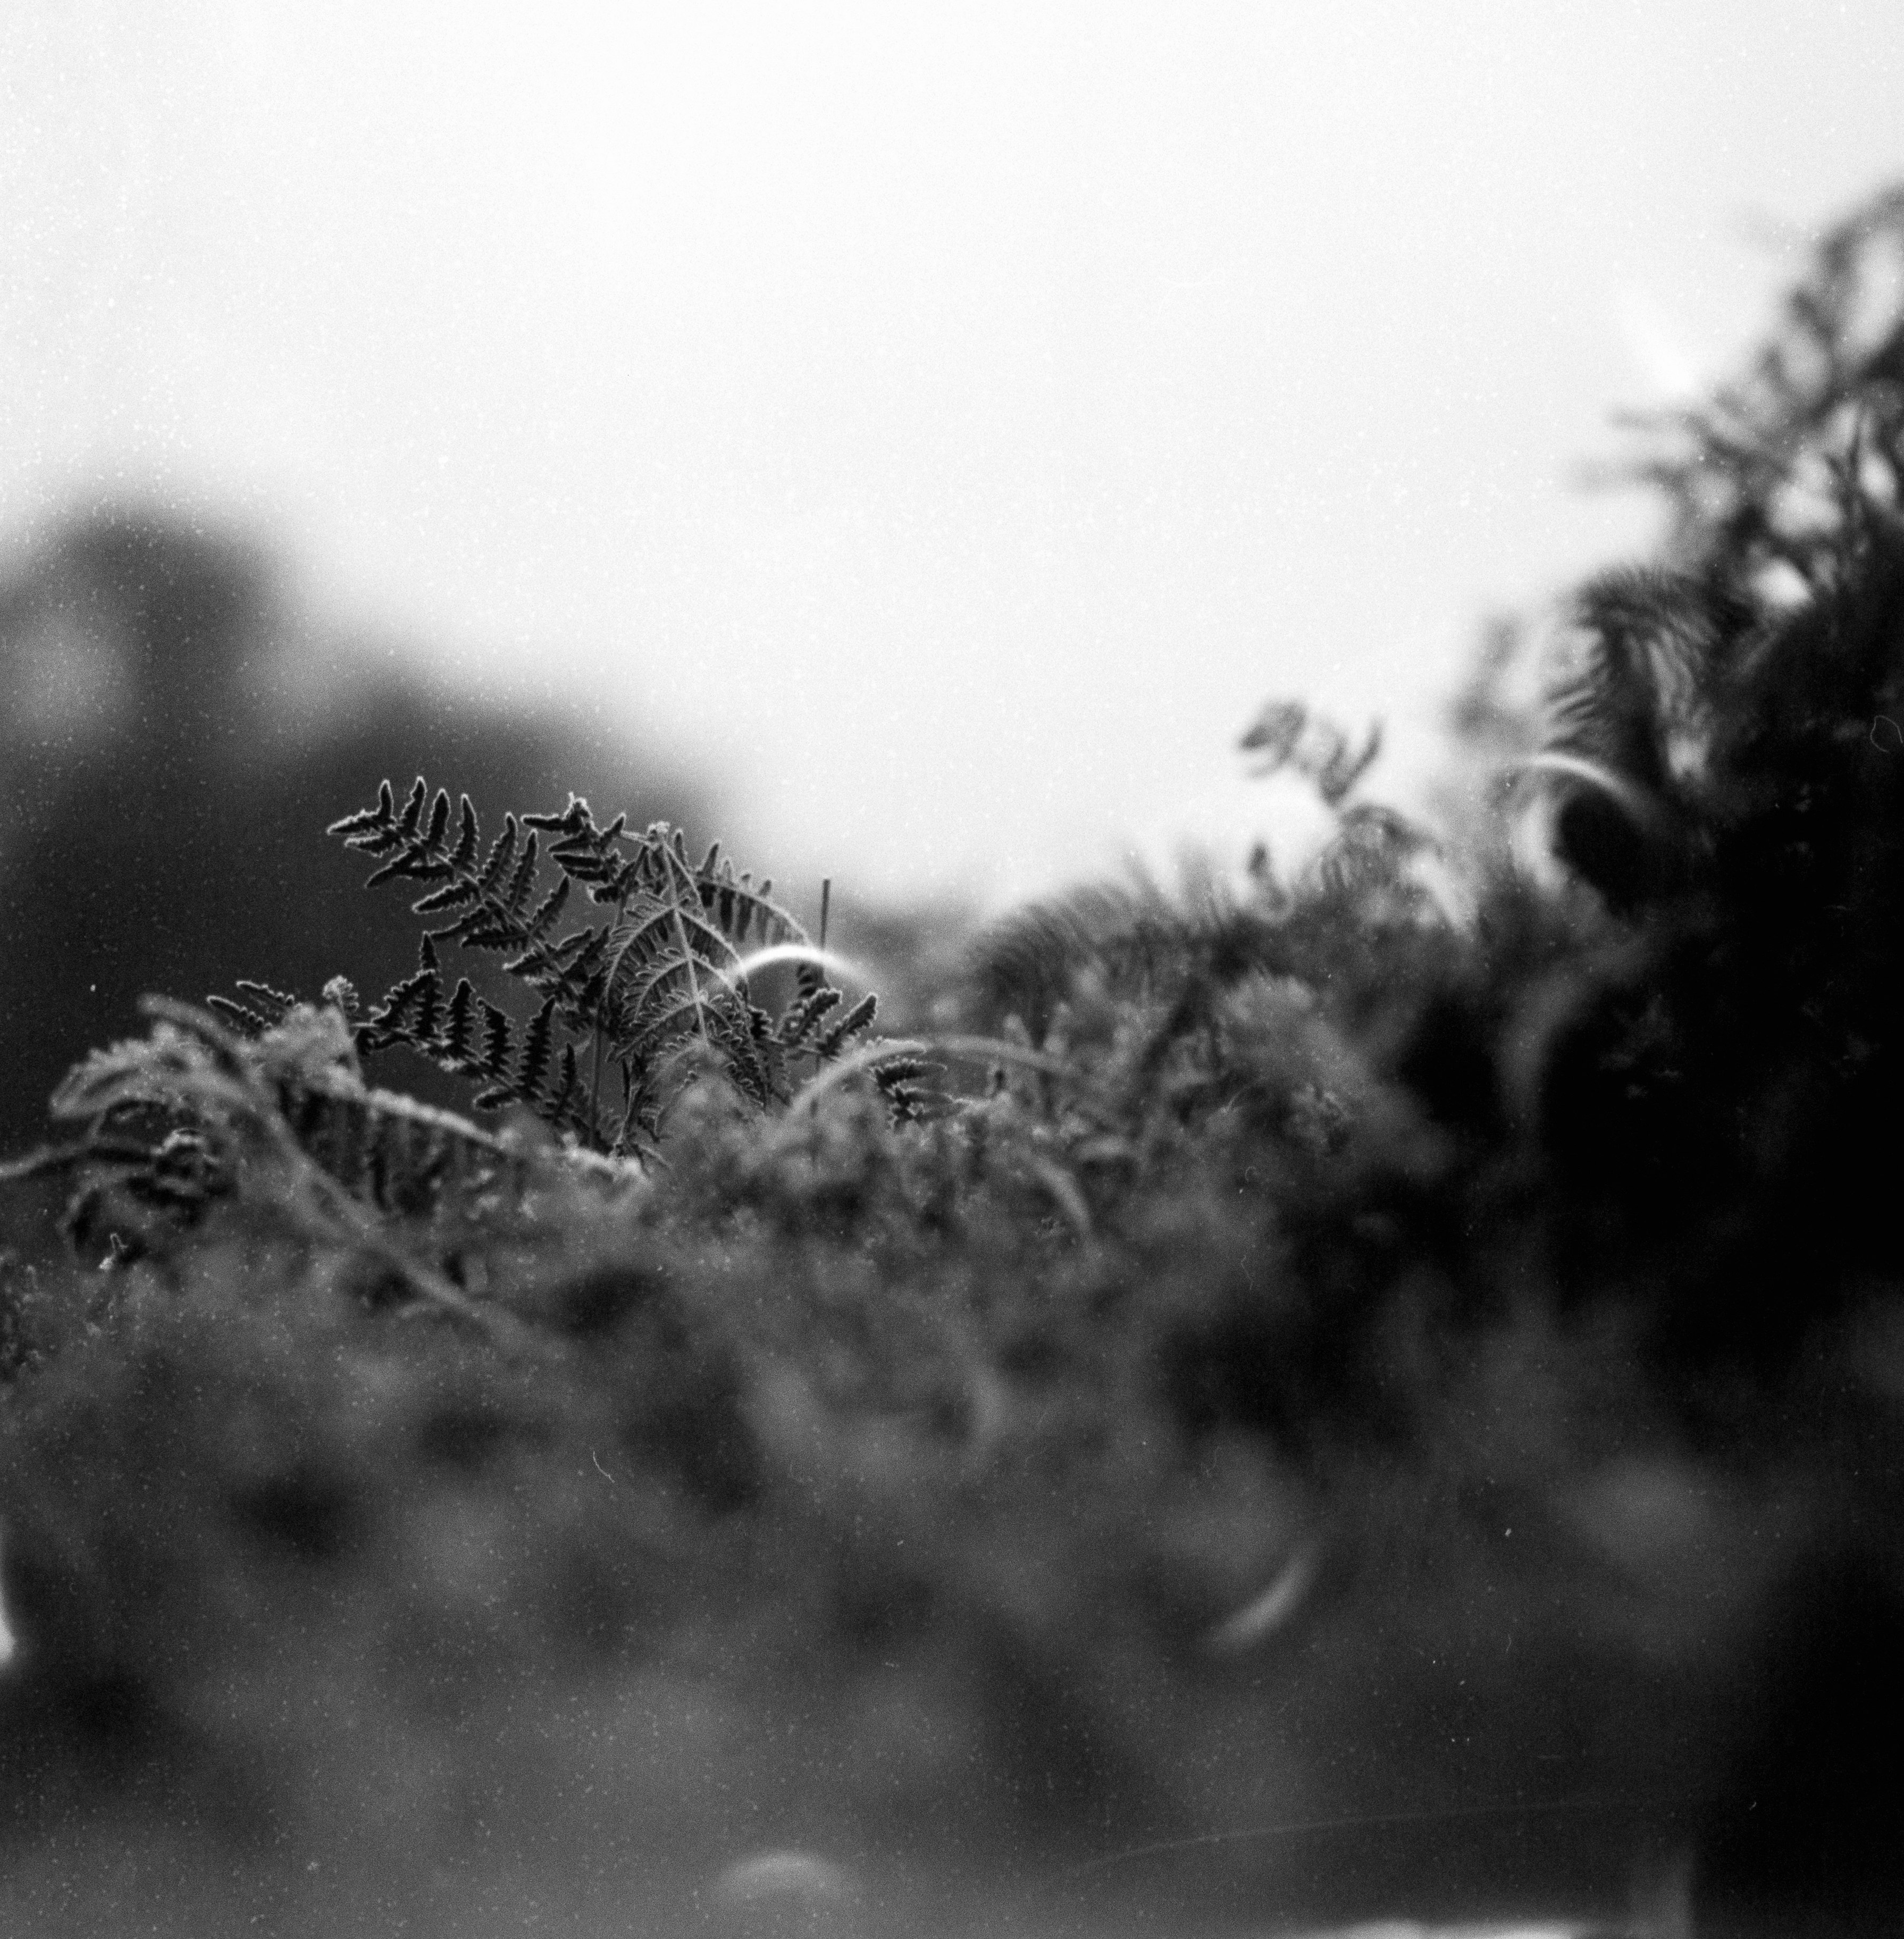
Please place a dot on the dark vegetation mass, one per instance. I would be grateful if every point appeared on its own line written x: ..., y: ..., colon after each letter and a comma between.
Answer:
x: 1372, y: 1394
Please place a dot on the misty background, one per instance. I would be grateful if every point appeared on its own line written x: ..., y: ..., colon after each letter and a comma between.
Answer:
x: 907, y: 443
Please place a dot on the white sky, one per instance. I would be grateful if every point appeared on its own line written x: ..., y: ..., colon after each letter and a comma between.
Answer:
x: 950, y: 423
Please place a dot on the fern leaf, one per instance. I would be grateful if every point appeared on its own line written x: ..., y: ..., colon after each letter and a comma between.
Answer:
x: 1286, y: 733
x: 573, y: 820
x: 671, y: 1007
x: 1638, y: 701
x: 744, y: 912
x: 806, y: 1013
x: 498, y: 1035
x: 854, y: 1020
x: 457, y: 894
x: 674, y: 993
x: 908, y: 1098
x: 568, y: 1082
x: 366, y: 821
x: 662, y: 973
x: 538, y: 1048
x: 457, y: 1040
x: 469, y: 838
x: 501, y: 854
x: 408, y: 1013
x: 404, y: 862
x: 547, y: 911
x: 521, y: 883
x: 580, y: 951
x: 268, y: 1007
x: 278, y: 1003
x: 652, y: 950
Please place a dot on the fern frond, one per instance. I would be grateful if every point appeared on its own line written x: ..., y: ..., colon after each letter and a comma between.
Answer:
x: 495, y: 902
x: 1287, y: 734
x: 673, y: 1005
x: 667, y: 969
x: 473, y: 1037
x: 521, y: 883
x: 856, y: 1019
x: 398, y: 1154
x: 1638, y: 701
x: 563, y: 1103
x: 1632, y: 726
x: 660, y: 954
x: 456, y: 894
x: 805, y: 1013
x: 498, y: 1040
x: 410, y: 1012
x: 456, y: 1039
x: 469, y: 836
x: 369, y: 823
x: 900, y: 1081
x: 657, y: 864
x: 267, y: 1008
x: 743, y: 912
x: 538, y: 1052
x: 288, y: 1110
x: 496, y: 864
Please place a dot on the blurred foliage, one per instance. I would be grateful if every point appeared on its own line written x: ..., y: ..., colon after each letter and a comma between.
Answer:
x: 1755, y: 476
x: 1373, y: 1398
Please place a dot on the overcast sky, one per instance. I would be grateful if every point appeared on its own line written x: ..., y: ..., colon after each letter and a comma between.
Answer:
x: 947, y: 422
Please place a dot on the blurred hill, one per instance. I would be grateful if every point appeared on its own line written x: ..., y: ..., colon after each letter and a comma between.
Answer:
x: 174, y: 738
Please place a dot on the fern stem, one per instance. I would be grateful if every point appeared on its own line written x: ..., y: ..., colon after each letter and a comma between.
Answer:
x: 678, y: 868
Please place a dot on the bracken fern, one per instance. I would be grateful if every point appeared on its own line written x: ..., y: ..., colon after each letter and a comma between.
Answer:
x: 192, y: 1113
x: 635, y: 1006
